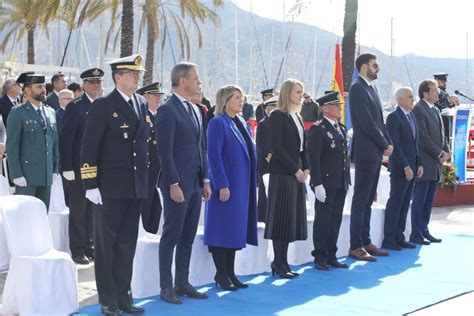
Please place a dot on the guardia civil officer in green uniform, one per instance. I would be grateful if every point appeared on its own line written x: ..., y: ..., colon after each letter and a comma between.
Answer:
x: 32, y: 142
x: 330, y: 179
x: 114, y: 172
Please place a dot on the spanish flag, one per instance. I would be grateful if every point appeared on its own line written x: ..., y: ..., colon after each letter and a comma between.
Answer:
x: 336, y: 84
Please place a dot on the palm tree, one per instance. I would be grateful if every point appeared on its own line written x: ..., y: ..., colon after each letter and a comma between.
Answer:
x: 348, y: 42
x: 18, y: 17
x: 126, y: 41
x: 156, y: 16
x: 75, y: 15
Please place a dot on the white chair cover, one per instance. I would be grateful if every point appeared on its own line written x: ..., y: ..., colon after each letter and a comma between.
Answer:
x: 4, y: 254
x: 146, y: 267
x: 41, y: 280
x: 299, y: 252
x: 59, y: 224
x: 57, y: 203
x: 253, y: 259
x: 201, y: 268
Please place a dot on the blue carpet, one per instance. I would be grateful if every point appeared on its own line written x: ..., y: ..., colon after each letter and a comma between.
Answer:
x: 403, y: 282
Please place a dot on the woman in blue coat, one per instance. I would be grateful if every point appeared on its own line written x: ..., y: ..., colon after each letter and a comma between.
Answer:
x: 231, y: 213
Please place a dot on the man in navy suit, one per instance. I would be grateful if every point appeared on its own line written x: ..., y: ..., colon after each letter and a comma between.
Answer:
x: 370, y: 141
x: 59, y: 83
x: 183, y: 179
x: 114, y: 172
x: 70, y: 138
x: 11, y: 90
x: 404, y: 164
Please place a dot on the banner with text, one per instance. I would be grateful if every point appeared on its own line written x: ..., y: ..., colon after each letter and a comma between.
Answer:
x: 461, y: 126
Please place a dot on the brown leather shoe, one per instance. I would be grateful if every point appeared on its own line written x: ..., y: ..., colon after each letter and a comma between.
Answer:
x: 374, y: 251
x: 361, y: 254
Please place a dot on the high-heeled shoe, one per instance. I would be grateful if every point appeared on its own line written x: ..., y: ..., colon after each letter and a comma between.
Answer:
x: 280, y: 270
x: 224, y: 282
x: 290, y: 271
x: 237, y: 282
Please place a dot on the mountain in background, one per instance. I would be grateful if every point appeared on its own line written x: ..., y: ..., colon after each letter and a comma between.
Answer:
x: 261, y: 47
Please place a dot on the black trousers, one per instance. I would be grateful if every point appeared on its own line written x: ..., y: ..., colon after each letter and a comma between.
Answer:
x: 396, y: 211
x: 180, y: 221
x: 115, y: 239
x: 80, y: 220
x: 365, y: 186
x: 262, y: 201
x: 327, y: 221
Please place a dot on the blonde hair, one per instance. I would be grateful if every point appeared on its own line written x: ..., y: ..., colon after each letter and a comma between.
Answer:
x: 223, y: 96
x: 284, y: 103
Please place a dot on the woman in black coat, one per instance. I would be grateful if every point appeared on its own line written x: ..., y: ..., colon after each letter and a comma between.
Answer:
x: 289, y: 168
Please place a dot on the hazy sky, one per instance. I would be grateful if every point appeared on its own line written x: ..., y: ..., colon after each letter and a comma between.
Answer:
x: 434, y: 28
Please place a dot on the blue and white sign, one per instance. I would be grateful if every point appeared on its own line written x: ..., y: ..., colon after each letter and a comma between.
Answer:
x: 462, y: 123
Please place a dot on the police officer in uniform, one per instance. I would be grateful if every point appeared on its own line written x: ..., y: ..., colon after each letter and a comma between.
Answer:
x: 32, y: 142
x: 330, y: 179
x: 70, y: 136
x: 444, y: 102
x: 151, y: 209
x: 264, y: 155
x: 114, y: 172
x: 260, y: 111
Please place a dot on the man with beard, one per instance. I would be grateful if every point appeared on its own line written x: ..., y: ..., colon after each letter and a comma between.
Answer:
x: 32, y: 142
x: 370, y: 142
x: 80, y: 209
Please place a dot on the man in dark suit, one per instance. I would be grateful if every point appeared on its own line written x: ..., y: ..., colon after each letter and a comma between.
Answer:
x: 114, y: 172
x: 11, y: 90
x: 404, y: 164
x: 3, y: 134
x: 59, y: 83
x: 70, y: 139
x: 309, y: 109
x: 330, y: 179
x: 65, y: 97
x: 260, y: 111
x: 183, y: 179
x: 151, y: 209
x: 32, y: 142
x: 434, y: 152
x: 264, y: 155
x: 370, y: 141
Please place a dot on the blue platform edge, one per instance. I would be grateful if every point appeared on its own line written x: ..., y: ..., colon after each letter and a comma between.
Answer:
x: 400, y: 283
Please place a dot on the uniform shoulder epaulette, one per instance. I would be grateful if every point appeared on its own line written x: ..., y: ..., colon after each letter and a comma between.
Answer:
x: 77, y: 100
x: 319, y: 123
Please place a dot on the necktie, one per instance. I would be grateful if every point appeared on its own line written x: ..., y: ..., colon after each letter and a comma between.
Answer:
x: 412, y: 124
x: 434, y: 110
x: 130, y: 101
x: 191, y: 114
x: 336, y: 126
x: 41, y: 119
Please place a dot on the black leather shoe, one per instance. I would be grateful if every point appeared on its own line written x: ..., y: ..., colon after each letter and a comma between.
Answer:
x: 112, y: 310
x: 391, y: 246
x: 431, y: 238
x: 287, y: 266
x: 405, y: 244
x: 80, y: 259
x: 280, y: 270
x: 131, y: 309
x: 337, y: 264
x: 419, y: 240
x: 189, y: 291
x: 321, y: 266
x: 169, y: 295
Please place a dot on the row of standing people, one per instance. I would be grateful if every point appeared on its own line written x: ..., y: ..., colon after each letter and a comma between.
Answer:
x: 114, y: 163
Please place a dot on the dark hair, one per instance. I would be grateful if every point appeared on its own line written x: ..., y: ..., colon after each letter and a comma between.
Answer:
x: 363, y: 59
x: 74, y: 87
x: 425, y: 87
x: 119, y: 71
x: 49, y: 88
x: 56, y: 77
